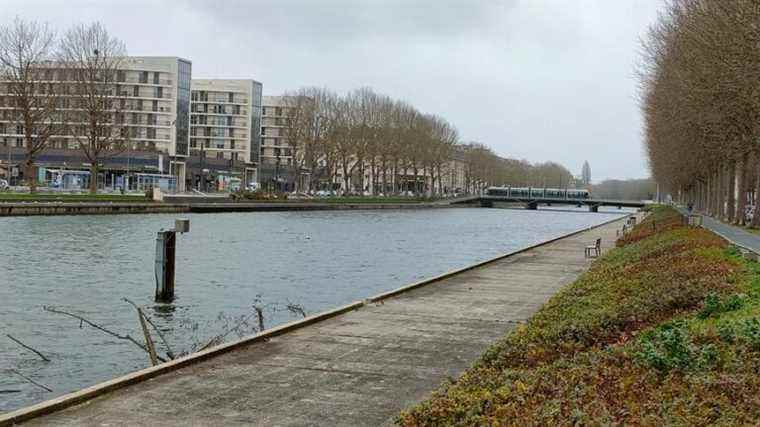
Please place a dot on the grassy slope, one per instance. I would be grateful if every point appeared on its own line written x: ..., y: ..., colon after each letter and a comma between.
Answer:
x: 663, y: 329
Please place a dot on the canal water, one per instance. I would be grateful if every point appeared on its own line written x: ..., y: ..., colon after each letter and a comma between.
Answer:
x: 225, y: 265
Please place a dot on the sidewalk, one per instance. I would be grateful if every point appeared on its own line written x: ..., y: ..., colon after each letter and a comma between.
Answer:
x: 736, y: 235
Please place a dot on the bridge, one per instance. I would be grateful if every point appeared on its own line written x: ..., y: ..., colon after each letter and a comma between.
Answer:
x: 593, y: 205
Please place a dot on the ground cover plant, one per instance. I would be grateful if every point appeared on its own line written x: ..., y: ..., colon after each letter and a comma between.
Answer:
x: 663, y: 329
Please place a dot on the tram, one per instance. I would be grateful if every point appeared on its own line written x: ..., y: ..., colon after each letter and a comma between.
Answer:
x: 547, y: 193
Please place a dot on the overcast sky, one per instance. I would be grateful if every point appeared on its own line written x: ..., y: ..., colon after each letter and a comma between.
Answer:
x: 534, y: 79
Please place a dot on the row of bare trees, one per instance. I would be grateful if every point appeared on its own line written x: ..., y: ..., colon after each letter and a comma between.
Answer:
x: 53, y: 85
x: 700, y: 96
x: 369, y: 135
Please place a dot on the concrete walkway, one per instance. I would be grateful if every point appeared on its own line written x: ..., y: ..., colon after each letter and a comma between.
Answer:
x: 361, y: 367
x: 736, y: 235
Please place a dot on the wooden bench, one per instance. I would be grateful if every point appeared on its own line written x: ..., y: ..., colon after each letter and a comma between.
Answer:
x: 596, y: 249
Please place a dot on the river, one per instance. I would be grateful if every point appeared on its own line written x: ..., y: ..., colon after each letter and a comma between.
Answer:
x: 228, y: 262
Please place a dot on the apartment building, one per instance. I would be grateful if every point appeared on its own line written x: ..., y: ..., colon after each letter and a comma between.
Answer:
x: 276, y: 165
x: 225, y: 129
x: 152, y: 97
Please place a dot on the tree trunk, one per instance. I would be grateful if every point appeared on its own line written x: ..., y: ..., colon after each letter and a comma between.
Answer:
x: 94, y: 177
x: 731, y: 190
x: 741, y: 179
x: 30, y: 175
x: 755, y: 163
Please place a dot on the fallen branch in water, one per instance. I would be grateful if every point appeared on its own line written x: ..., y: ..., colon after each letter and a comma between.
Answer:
x: 169, y: 351
x: 101, y: 328
x: 9, y: 391
x: 42, y: 356
x: 31, y: 380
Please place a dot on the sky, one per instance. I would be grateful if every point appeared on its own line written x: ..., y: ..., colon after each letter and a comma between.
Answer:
x: 541, y: 80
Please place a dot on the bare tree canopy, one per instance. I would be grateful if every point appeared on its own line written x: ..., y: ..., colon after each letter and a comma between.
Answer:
x: 699, y: 96
x: 92, y: 59
x: 26, y: 49
x: 372, y: 143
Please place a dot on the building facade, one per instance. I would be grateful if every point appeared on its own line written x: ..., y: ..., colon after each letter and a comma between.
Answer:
x: 151, y: 100
x: 277, y: 163
x: 225, y: 126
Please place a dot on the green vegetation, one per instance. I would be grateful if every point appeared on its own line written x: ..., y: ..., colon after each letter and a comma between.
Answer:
x: 663, y: 329
x: 55, y: 197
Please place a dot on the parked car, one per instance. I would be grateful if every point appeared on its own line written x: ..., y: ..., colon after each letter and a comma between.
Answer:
x: 3, y: 184
x: 253, y: 186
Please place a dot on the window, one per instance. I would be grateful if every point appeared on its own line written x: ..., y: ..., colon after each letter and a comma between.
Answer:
x: 121, y: 76
x: 158, y: 92
x: 155, y: 105
x: 194, y: 96
x: 155, y: 78
x: 263, y: 131
x: 219, y: 155
x: 136, y: 91
x: 140, y: 104
x: 143, y: 77
x: 278, y: 111
x: 151, y: 133
x: 231, y: 97
x: 236, y: 109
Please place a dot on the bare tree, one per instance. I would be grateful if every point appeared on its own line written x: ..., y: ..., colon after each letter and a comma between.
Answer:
x: 26, y: 50
x: 93, y: 59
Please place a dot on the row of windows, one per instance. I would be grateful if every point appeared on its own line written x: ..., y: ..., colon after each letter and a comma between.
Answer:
x: 217, y: 121
x: 217, y: 109
x: 217, y: 132
x: 84, y: 89
x: 71, y: 74
x: 231, y: 97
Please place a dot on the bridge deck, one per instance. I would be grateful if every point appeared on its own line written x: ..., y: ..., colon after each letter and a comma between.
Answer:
x: 359, y: 368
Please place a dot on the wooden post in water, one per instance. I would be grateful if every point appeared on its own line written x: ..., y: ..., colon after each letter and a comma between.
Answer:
x: 166, y: 245
x: 165, y: 255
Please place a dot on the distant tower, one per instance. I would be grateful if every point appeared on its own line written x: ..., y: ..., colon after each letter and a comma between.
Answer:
x: 586, y: 174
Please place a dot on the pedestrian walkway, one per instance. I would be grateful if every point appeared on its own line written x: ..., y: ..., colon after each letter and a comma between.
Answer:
x: 358, y: 368
x: 734, y: 234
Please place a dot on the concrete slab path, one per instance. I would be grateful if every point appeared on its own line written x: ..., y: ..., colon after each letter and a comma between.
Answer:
x: 734, y: 234
x: 359, y: 368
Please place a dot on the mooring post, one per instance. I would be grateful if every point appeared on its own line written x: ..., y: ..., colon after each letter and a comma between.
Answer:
x: 166, y: 246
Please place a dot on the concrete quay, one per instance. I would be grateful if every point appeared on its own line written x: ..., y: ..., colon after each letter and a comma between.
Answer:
x: 359, y: 365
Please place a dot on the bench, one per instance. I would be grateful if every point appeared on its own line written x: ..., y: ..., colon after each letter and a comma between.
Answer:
x: 596, y: 249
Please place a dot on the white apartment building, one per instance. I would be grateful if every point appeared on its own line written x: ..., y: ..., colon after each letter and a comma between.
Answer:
x: 225, y: 121
x: 276, y: 166
x: 274, y: 144
x: 152, y: 96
